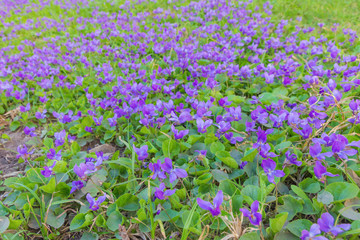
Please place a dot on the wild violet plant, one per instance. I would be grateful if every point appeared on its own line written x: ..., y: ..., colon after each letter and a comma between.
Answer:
x: 197, y: 98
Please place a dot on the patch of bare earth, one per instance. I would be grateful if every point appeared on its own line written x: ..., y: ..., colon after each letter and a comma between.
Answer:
x: 9, y: 165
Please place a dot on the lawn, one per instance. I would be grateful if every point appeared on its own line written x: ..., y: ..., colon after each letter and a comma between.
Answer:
x: 151, y: 119
x: 343, y: 12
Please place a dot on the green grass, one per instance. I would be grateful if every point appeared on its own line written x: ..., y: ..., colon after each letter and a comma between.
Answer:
x: 344, y: 12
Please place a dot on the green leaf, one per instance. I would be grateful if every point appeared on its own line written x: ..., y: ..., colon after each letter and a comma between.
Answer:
x: 291, y: 206
x: 308, y: 206
x: 125, y: 162
x: 60, y: 167
x: 198, y: 170
x: 145, y: 130
x: 92, y: 186
x: 325, y: 197
x: 170, y: 148
x: 204, y: 178
x: 56, y: 218
x: 109, y: 134
x: 251, y: 191
x: 115, y: 219
x: 5, y: 136
x: 100, y: 221
x: 166, y: 213
x: 63, y: 189
x: 250, y: 155
x: 227, y: 187
x: 310, y: 185
x: 89, y: 236
x: 34, y: 175
x: 75, y: 148
x: 219, y: 175
x: 278, y: 222
x: 50, y: 187
x: 14, y: 125
x: 295, y: 227
x: 15, y: 223
x: 280, y: 92
x: 250, y: 236
x: 268, y: 98
x: 226, y: 158
x: 282, y: 145
x: 217, y: 147
x: 128, y: 202
x: 80, y: 220
x: 4, y: 223
x: 237, y: 203
x: 193, y: 139
x: 285, y: 234
x: 3, y: 210
x: 342, y: 190
x: 49, y: 142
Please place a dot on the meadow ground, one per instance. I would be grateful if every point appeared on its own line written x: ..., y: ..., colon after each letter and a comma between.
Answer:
x: 179, y: 119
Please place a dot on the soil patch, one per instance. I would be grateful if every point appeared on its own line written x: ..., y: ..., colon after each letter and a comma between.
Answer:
x: 8, y: 150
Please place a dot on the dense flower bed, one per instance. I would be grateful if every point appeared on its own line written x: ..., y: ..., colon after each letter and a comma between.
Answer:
x: 226, y: 122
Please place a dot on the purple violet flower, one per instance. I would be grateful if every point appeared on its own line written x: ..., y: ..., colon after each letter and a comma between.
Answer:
x: 224, y: 102
x: 161, y: 193
x: 98, y: 121
x: 341, y: 147
x: 262, y: 137
x: 260, y: 115
x: 173, y: 173
x: 269, y: 166
x: 265, y: 151
x: 233, y: 140
x: 305, y: 132
x: 202, y: 126
x: 95, y: 204
x: 54, y: 155
x: 234, y: 113
x: 82, y: 170
x: 112, y: 121
x: 30, y: 131
x: 25, y: 109
x: 213, y: 208
x: 76, y: 185
x: 60, y: 138
x: 315, y: 152
x: 23, y: 152
x: 71, y: 138
x: 156, y: 169
x: 47, y: 172
x: 100, y: 157
x: 89, y: 129
x: 141, y: 152
x: 223, y: 126
x: 179, y: 134
x: 292, y: 159
x: 201, y: 154
x: 250, y: 126
x: 312, y: 234
x: 253, y: 215
x: 40, y: 115
x: 320, y: 171
x: 326, y: 223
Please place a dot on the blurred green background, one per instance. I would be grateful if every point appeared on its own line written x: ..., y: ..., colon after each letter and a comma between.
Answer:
x: 344, y: 12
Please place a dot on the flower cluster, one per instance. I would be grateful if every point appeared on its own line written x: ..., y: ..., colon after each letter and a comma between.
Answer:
x: 221, y: 88
x: 162, y: 171
x: 325, y: 224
